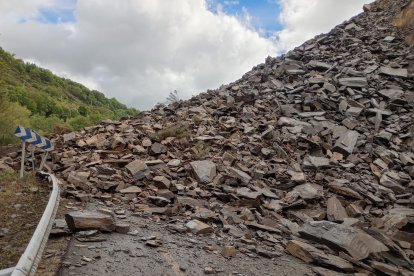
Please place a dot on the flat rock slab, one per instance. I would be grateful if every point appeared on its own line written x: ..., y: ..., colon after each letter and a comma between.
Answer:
x: 342, y: 238
x: 131, y: 190
x: 354, y: 82
x: 391, y: 93
x: 314, y: 162
x: 87, y: 220
x: 394, y: 72
x: 310, y: 254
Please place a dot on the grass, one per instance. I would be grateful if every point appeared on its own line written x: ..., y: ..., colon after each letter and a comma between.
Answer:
x: 201, y: 150
x: 22, y: 202
x: 179, y: 131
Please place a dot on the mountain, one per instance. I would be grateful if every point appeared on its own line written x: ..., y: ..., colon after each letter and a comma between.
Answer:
x: 35, y: 97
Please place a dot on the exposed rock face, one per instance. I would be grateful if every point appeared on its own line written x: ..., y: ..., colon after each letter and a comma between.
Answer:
x: 317, y: 143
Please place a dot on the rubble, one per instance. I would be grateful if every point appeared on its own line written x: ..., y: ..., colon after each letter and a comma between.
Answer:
x: 316, y: 144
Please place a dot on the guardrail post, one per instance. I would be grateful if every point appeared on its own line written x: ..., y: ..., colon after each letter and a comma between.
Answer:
x: 22, y: 161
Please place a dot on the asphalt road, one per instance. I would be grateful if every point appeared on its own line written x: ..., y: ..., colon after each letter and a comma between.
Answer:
x: 177, y: 254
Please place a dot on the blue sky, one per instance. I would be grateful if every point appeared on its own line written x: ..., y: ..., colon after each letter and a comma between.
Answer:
x: 61, y: 12
x: 263, y: 14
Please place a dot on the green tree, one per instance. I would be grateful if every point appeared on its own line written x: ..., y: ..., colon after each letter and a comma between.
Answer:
x: 83, y: 110
x: 12, y: 114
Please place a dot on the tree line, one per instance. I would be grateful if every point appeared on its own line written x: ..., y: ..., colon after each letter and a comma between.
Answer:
x: 35, y: 97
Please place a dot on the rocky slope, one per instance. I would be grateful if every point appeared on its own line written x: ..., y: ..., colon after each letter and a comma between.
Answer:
x: 310, y: 153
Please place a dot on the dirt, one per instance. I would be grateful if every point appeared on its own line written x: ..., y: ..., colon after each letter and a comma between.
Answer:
x: 179, y: 254
x: 55, y: 248
x: 22, y: 202
x: 5, y: 150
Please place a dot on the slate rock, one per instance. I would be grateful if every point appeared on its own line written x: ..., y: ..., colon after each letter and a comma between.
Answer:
x: 204, y: 171
x: 351, y: 240
x: 335, y: 210
x: 356, y: 82
x: 394, y: 72
x: 131, y: 190
x: 88, y: 220
x: 346, y: 143
x: 314, y: 162
x: 240, y: 175
x: 161, y: 182
x: 198, y: 227
x: 157, y: 148
x: 138, y: 169
x: 310, y: 254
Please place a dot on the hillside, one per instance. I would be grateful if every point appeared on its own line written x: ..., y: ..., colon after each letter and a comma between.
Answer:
x: 35, y: 97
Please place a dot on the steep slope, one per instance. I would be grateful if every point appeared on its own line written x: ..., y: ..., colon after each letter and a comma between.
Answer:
x: 311, y: 152
x: 34, y: 96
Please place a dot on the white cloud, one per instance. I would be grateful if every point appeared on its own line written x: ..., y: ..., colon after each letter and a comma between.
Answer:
x: 139, y: 51
x: 303, y: 19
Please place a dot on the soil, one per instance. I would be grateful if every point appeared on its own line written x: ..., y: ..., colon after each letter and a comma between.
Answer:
x: 55, y: 247
x: 22, y: 203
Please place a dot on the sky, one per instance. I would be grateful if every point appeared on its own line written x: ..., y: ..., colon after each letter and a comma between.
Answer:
x: 140, y: 50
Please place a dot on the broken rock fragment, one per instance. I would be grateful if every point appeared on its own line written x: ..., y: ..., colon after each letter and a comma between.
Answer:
x: 394, y: 72
x: 240, y: 175
x: 88, y: 220
x: 204, y: 171
x: 138, y: 169
x: 346, y: 143
x: 131, y: 190
x: 161, y: 182
x: 335, y: 210
x: 314, y: 162
x: 310, y: 254
x: 338, y: 237
x: 354, y: 82
x: 309, y: 191
x: 198, y: 227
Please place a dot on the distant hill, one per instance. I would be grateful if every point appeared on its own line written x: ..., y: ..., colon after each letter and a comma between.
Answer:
x: 35, y: 97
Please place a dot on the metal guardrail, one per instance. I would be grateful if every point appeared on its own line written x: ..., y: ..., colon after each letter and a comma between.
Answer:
x: 31, y: 257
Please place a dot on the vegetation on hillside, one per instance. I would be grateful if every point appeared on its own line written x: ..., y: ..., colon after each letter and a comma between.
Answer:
x: 35, y: 97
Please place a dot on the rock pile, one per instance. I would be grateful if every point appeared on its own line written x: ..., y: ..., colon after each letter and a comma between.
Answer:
x: 311, y: 152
